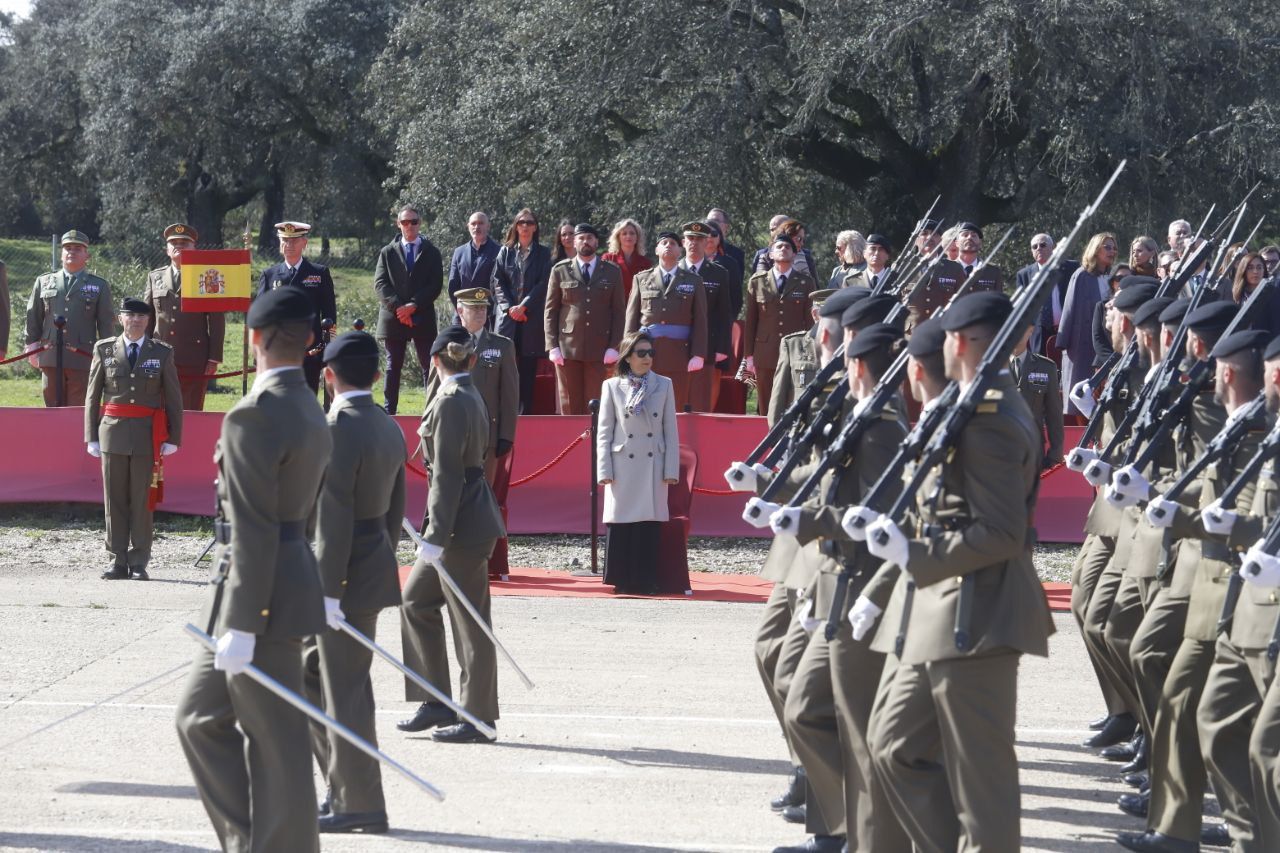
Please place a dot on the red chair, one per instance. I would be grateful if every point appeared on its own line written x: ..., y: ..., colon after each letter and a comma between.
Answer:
x: 673, y: 542
x: 498, y: 568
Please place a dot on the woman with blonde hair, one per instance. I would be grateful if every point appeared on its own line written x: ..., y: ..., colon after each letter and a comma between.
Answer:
x: 1142, y: 255
x: 1089, y: 285
x: 626, y: 249
x: 637, y: 457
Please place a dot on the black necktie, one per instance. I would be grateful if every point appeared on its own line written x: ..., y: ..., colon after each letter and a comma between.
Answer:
x: 968, y: 270
x: 586, y: 273
x: 133, y: 356
x: 408, y: 257
x: 666, y: 280
x: 782, y: 284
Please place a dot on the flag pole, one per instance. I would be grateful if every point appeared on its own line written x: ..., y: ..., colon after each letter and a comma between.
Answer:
x: 244, y: 329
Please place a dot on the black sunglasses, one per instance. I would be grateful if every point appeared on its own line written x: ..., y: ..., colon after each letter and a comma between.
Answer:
x: 643, y: 353
x: 409, y: 221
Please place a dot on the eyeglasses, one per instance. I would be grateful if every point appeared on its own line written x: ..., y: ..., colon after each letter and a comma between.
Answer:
x: 525, y: 223
x: 1041, y: 245
x: 409, y: 221
x: 643, y: 353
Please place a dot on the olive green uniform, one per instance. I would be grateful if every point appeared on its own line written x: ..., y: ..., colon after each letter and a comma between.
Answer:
x: 583, y: 319
x: 495, y: 376
x: 675, y: 316
x: 797, y: 365
x: 772, y: 313
x: 85, y: 301
x: 196, y: 336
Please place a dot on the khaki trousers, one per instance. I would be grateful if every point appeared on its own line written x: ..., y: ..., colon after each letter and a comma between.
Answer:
x: 1127, y: 611
x: 126, y: 484
x: 1096, y: 618
x: 764, y: 389
x: 1177, y: 767
x: 248, y: 752
x: 1151, y: 654
x: 75, y: 385
x: 768, y: 645
x: 577, y: 382
x: 1094, y: 555
x: 1264, y: 762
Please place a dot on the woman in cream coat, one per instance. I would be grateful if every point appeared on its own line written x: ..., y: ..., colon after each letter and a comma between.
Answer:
x: 637, y: 457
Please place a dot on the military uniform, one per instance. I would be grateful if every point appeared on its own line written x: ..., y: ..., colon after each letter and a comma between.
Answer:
x: 4, y: 308
x: 705, y: 390
x: 84, y: 299
x: 582, y: 319
x: 316, y: 282
x: 797, y: 366
x: 196, y: 336
x: 773, y: 312
x: 359, y: 515
x: 257, y: 786
x: 1037, y: 380
x: 675, y: 316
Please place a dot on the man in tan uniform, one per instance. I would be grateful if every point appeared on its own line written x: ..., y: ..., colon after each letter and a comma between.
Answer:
x: 777, y: 305
x: 670, y: 303
x: 359, y: 513
x: 132, y: 417
x: 583, y: 320
x: 464, y: 523
x: 705, y: 383
x: 85, y: 301
x: 797, y: 362
x: 248, y: 750
x: 196, y: 336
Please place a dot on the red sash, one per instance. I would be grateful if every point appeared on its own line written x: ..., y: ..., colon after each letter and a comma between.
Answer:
x: 159, y: 432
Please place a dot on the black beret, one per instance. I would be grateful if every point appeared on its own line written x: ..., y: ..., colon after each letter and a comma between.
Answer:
x: 836, y: 304
x: 586, y: 228
x: 1151, y: 310
x: 282, y: 305
x: 931, y: 225
x: 1213, y: 318
x: 1177, y: 309
x: 866, y: 312
x: 1131, y: 280
x: 1272, y: 350
x: 667, y: 235
x: 133, y: 305
x: 880, y: 240
x: 351, y: 346
x: 927, y: 338
x: 1134, y: 297
x: 877, y: 336
x: 451, y: 335
x: 783, y: 238
x: 968, y: 226
x: 1236, y: 341
x: 974, y: 308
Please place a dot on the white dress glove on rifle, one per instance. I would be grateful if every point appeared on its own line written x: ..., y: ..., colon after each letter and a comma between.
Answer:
x: 886, y: 540
x: 786, y: 521
x: 862, y: 616
x: 758, y: 511
x: 1098, y: 473
x: 1079, y: 458
x: 1128, y: 481
x: 1260, y: 568
x: 556, y: 357
x: 333, y: 612
x: 807, y: 622
x: 1160, y: 512
x: 741, y: 477
x: 856, y: 521
x: 1217, y: 520
x: 1115, y: 497
x: 1082, y: 397
x: 429, y: 553
x: 94, y: 449
x: 234, y: 651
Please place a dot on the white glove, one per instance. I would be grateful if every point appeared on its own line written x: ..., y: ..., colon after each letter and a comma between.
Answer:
x: 862, y: 616
x: 94, y: 449
x: 751, y: 363
x: 1082, y: 397
x: 1128, y: 481
x: 167, y: 449
x: 429, y: 553
x: 695, y: 364
x: 761, y: 469
x: 1117, y: 498
x: 786, y: 521
x: 1260, y: 568
x: 808, y: 623
x: 856, y: 521
x: 1079, y: 458
x: 333, y: 612
x: 886, y: 540
x: 722, y: 356
x: 1217, y: 520
x: 234, y: 651
x: 557, y: 357
x: 1098, y: 473
x: 741, y: 477
x: 758, y: 511
x: 610, y: 355
x: 1160, y: 512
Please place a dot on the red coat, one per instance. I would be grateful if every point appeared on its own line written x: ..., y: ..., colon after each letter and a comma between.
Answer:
x: 639, y: 263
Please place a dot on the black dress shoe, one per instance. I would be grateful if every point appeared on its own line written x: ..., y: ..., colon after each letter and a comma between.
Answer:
x: 369, y: 823
x: 139, y: 573
x: 1139, y: 762
x: 1134, y: 804
x: 1137, y: 780
x: 794, y: 795
x: 324, y: 804
x: 1215, y: 835
x: 1100, y: 723
x: 116, y: 573
x: 1154, y: 842
x: 1125, y: 752
x: 462, y: 732
x: 428, y: 716
x: 1118, y: 729
x: 794, y: 814
x: 816, y: 844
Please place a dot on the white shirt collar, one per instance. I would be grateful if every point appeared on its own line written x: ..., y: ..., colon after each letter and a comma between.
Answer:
x: 263, y: 375
x: 454, y: 378
x: 140, y: 341
x: 666, y: 272
x: 345, y: 399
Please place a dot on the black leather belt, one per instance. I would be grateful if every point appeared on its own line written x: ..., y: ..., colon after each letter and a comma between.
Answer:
x: 289, y: 530
x: 370, y: 526
x: 470, y: 475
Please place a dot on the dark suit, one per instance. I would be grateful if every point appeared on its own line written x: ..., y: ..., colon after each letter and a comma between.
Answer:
x: 717, y: 285
x: 514, y: 283
x: 471, y: 267
x: 733, y: 259
x: 1046, y: 325
x: 1037, y: 379
x: 396, y: 287
x: 315, y: 281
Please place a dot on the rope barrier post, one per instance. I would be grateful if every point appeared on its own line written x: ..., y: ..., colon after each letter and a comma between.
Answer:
x: 244, y: 356
x: 594, y: 407
x: 358, y: 325
x: 60, y: 333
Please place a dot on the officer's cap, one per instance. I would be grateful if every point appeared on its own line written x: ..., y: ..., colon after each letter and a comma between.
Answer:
x: 667, y: 235
x: 282, y: 305
x: 1177, y: 309
x: 986, y: 307
x: 877, y: 336
x: 586, y: 228
x: 1213, y: 318
x: 881, y: 241
x: 351, y: 346
x: 968, y: 226
x: 712, y: 228
x: 1134, y: 297
x: 133, y: 305
x: 473, y: 296
x: 695, y: 229
x: 178, y: 231
x: 838, y: 302
x: 292, y: 229
x: 1132, y: 280
x: 865, y: 312
x: 783, y: 238
x: 1273, y: 349
x: 1237, y: 341
x: 818, y: 297
x: 1151, y: 310
x: 451, y: 335
x: 927, y: 338
x: 75, y: 238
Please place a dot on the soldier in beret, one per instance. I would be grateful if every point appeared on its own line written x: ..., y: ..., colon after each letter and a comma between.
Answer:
x: 946, y: 275
x: 877, y: 254
x: 132, y: 417
x: 196, y: 336
x: 312, y: 279
x: 85, y: 301
x: 777, y: 305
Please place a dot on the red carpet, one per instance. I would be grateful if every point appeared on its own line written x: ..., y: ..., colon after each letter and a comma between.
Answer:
x: 706, y: 587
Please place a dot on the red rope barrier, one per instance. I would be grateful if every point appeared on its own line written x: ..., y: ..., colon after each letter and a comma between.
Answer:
x: 1048, y: 471
x: 414, y: 469
x: 14, y: 358
x: 226, y: 375
x: 559, y: 456
x: 699, y: 490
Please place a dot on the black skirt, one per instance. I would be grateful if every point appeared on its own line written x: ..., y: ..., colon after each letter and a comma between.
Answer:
x: 631, y: 556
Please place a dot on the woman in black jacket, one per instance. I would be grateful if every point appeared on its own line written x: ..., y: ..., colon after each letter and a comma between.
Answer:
x: 519, y: 285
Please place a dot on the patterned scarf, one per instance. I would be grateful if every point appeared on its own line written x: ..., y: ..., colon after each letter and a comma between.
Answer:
x: 638, y: 387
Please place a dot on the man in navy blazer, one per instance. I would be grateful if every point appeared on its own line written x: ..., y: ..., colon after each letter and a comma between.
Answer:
x: 472, y: 264
x: 312, y: 279
x: 408, y: 279
x: 1042, y: 246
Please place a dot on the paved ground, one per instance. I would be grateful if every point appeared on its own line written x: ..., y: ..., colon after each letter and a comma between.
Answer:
x: 647, y: 730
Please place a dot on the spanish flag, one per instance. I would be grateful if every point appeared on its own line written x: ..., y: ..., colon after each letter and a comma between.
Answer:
x: 216, y: 280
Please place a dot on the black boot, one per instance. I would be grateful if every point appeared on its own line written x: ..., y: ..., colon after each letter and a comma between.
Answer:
x: 794, y: 795
x: 1117, y: 730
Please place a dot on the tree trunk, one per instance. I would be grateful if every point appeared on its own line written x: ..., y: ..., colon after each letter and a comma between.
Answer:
x: 272, y: 212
